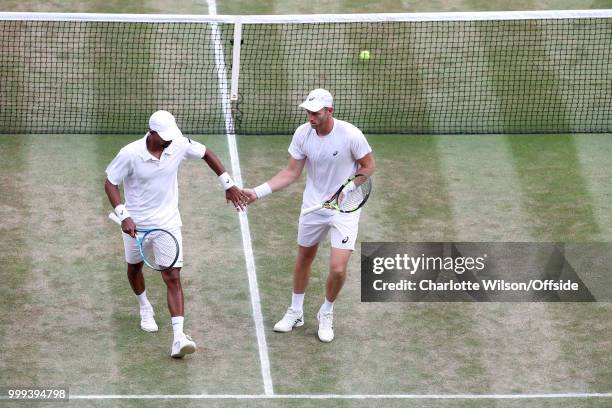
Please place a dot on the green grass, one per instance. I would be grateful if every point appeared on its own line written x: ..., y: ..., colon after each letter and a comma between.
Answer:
x: 290, y: 7
x: 533, y: 403
x: 68, y: 316
x: 475, y: 348
x: 429, y: 77
x: 391, y: 6
x: 67, y: 295
x: 541, y: 76
x: 107, y: 77
x: 75, y: 311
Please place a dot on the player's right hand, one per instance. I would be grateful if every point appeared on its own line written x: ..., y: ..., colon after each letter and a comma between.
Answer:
x: 129, y: 227
x: 250, y: 194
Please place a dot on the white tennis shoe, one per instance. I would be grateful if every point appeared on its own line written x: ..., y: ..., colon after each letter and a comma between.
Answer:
x: 291, y: 319
x: 147, y: 321
x: 183, y: 345
x: 326, y: 326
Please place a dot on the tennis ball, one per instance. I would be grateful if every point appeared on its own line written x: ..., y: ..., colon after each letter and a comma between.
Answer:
x: 364, y: 55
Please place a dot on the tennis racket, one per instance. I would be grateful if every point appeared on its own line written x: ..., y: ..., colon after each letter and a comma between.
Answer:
x: 345, y: 201
x: 159, y: 248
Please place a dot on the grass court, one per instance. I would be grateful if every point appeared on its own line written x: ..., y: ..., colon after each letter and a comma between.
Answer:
x: 68, y: 316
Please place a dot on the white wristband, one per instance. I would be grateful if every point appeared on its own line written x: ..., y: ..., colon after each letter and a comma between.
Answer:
x: 226, y: 181
x: 122, y: 212
x: 263, y: 190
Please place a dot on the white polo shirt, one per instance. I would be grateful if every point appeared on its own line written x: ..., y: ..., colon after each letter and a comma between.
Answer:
x: 330, y: 159
x: 150, y: 184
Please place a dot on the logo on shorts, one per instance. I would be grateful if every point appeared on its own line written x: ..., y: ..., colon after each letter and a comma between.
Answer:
x: 345, y: 240
x: 335, y: 153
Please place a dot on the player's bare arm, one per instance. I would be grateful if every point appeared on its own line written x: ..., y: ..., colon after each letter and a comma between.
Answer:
x: 234, y: 194
x: 282, y: 179
x: 367, y: 166
x: 114, y: 196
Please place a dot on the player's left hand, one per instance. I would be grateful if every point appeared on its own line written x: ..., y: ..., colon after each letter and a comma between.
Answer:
x: 346, y: 191
x: 237, y: 197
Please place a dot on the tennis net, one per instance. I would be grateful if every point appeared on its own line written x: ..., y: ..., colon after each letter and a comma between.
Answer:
x: 507, y: 72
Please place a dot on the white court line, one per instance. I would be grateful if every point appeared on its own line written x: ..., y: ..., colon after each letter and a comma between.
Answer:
x: 308, y: 18
x: 350, y: 396
x: 244, y: 221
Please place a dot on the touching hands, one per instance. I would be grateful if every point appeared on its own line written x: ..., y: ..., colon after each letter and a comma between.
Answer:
x: 238, y: 197
x: 251, y: 194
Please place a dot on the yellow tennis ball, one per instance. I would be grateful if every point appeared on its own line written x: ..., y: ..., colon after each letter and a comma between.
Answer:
x: 364, y: 55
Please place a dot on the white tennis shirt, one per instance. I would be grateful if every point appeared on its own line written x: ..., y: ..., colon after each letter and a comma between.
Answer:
x: 330, y: 159
x: 150, y: 184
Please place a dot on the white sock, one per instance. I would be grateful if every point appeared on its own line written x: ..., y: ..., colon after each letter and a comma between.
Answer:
x: 142, y: 299
x: 177, y: 326
x: 327, y: 307
x: 297, y: 301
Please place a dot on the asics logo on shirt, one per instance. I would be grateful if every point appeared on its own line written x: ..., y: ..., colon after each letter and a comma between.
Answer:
x: 335, y: 153
x: 311, y: 99
x: 345, y: 240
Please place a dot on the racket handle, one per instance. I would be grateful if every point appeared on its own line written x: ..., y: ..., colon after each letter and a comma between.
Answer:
x: 314, y: 208
x: 114, y: 218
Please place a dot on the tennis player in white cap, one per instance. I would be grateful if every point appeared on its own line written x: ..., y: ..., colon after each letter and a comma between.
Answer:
x: 332, y: 150
x: 148, y: 170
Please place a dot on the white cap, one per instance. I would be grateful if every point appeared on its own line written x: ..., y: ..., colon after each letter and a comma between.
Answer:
x: 164, y: 124
x: 317, y: 100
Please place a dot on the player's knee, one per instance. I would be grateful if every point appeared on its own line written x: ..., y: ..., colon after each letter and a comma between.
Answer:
x: 134, y: 269
x: 307, y: 255
x: 309, y: 258
x: 338, y: 271
x: 172, y: 277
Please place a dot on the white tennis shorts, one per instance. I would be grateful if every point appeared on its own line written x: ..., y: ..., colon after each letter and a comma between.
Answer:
x: 132, y: 253
x: 313, y: 228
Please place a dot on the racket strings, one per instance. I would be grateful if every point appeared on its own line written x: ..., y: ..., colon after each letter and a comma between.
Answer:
x: 354, y: 199
x: 159, y: 249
